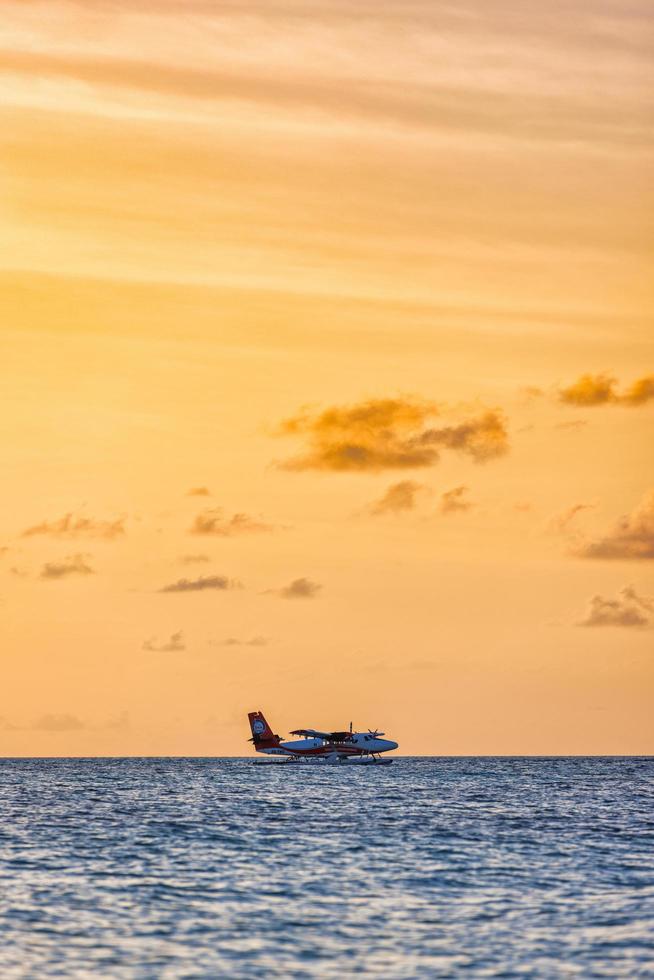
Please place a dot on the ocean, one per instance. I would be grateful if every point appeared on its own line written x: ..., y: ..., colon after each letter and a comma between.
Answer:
x: 431, y: 867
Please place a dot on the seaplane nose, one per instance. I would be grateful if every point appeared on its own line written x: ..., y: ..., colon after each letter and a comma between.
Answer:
x: 388, y: 745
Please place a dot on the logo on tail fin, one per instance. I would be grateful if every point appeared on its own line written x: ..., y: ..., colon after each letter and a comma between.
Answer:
x: 262, y: 734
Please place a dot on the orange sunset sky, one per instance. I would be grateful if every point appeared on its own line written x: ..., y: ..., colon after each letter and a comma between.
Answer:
x: 327, y: 374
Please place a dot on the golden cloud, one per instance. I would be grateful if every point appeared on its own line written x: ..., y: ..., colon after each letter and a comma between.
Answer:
x: 389, y: 433
x: 599, y: 389
x: 213, y: 522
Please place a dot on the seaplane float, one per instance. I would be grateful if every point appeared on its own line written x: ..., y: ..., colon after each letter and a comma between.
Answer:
x: 320, y: 748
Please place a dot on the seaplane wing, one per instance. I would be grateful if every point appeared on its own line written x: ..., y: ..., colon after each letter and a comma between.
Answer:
x: 313, y: 733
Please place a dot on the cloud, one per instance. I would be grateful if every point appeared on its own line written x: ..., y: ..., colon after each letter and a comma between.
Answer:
x: 193, y: 559
x: 632, y: 538
x: 71, y: 565
x: 213, y: 522
x: 255, y: 641
x: 198, y: 492
x: 58, y: 723
x: 173, y: 645
x: 572, y: 424
x: 398, y: 497
x: 299, y: 588
x: 628, y: 609
x: 70, y: 526
x: 216, y: 582
x: 453, y: 501
x: 389, y: 433
x: 599, y: 389
x: 560, y: 523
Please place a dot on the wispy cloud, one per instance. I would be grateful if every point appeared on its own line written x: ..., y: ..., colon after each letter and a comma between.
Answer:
x: 591, y: 390
x: 255, y: 641
x: 71, y: 565
x: 399, y: 497
x: 389, y: 433
x: 58, y: 723
x: 561, y: 522
x: 173, y: 645
x: 194, y: 559
x: 204, y: 583
x: 71, y: 526
x: 628, y: 609
x: 198, y: 492
x: 214, y: 522
x: 632, y: 537
x: 454, y: 501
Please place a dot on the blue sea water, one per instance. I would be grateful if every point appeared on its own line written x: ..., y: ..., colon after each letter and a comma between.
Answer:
x: 431, y: 867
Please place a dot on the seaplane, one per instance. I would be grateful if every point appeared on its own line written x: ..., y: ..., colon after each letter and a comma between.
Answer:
x: 324, y: 748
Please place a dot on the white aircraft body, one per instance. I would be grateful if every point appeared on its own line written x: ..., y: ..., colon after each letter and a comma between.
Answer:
x: 333, y: 748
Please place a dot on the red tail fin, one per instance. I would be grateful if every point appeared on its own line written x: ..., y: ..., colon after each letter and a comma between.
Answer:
x: 262, y: 733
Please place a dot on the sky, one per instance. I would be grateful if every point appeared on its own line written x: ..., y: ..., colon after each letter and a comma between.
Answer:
x: 327, y: 374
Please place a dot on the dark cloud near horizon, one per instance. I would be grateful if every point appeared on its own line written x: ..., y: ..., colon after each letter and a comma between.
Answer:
x: 58, y: 723
x: 70, y: 526
x: 204, y: 583
x: 591, y: 390
x: 71, y: 565
x: 174, y: 645
x: 389, y: 433
x: 632, y: 538
x: 628, y: 610
x: 213, y: 522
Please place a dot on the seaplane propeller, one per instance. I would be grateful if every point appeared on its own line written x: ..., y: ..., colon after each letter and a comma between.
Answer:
x: 375, y: 734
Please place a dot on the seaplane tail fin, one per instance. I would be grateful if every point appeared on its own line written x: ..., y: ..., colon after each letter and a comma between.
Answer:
x: 262, y: 734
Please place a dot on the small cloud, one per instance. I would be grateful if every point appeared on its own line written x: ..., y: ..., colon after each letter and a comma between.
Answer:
x: 632, y: 538
x: 299, y: 588
x: 198, y: 492
x: 531, y: 392
x: 389, y: 433
x: 399, y: 497
x: 561, y: 522
x: 523, y: 506
x: 213, y: 522
x: 453, y: 501
x: 70, y: 526
x: 3, y: 551
x: 572, y: 424
x: 58, y: 723
x: 628, y: 609
x: 193, y: 559
x: 639, y: 392
x: 71, y: 565
x: 205, y: 582
x: 255, y: 641
x: 173, y: 645
x: 591, y: 390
